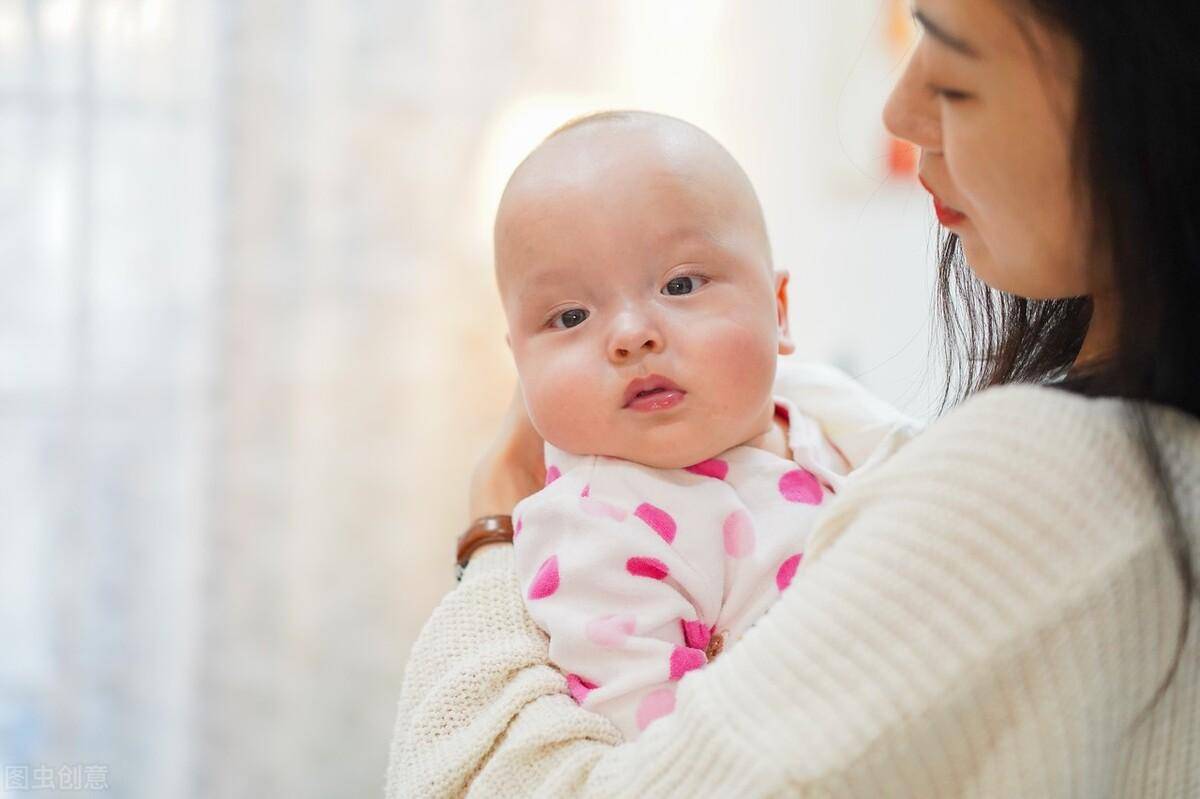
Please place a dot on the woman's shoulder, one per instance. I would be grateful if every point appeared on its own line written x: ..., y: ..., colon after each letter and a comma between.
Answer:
x: 1036, y: 420
x: 1032, y: 424
x: 1034, y: 466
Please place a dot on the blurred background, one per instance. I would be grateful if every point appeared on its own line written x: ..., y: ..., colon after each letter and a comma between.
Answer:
x: 250, y: 348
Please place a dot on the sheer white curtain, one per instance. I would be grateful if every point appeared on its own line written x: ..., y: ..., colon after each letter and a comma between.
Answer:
x: 108, y: 319
x: 249, y: 345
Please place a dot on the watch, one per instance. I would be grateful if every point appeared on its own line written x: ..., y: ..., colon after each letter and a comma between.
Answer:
x: 497, y: 529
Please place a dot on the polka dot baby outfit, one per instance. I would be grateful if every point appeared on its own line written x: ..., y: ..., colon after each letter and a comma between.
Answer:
x: 640, y: 575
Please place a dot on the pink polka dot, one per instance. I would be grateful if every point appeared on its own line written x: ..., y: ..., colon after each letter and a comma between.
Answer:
x: 799, y: 485
x: 787, y: 570
x: 579, y: 688
x: 713, y: 467
x: 647, y: 567
x: 739, y: 534
x: 545, y: 582
x: 655, y: 705
x: 659, y: 520
x: 587, y: 491
x: 552, y: 474
x: 696, y: 634
x: 610, y: 631
x: 598, y: 507
x: 517, y: 528
x: 684, y: 659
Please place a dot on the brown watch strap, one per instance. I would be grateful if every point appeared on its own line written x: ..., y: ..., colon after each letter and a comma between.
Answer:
x: 496, y: 529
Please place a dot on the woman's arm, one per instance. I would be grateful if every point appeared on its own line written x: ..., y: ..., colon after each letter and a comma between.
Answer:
x: 484, y: 713
x: 971, y: 620
x: 513, y: 466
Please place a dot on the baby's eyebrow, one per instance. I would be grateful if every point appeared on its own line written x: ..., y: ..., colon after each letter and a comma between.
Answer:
x: 686, y: 234
x: 540, y: 282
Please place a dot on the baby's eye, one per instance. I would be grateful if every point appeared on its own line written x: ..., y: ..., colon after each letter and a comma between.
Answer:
x: 570, y: 318
x: 683, y: 285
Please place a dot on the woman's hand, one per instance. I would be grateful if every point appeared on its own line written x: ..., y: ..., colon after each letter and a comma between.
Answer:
x: 513, y: 466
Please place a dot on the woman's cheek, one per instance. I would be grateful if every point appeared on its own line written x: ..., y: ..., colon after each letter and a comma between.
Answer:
x: 979, y: 192
x: 1002, y: 248
x: 972, y: 160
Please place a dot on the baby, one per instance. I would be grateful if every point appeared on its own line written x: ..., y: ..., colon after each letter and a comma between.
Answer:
x: 682, y: 473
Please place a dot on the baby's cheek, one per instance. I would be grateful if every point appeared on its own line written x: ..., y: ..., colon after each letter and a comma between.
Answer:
x: 742, y: 358
x: 739, y: 372
x: 564, y: 403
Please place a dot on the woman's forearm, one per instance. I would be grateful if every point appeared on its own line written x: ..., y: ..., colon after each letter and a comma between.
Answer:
x: 484, y: 713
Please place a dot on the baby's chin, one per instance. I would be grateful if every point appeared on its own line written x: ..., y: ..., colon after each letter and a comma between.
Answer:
x: 660, y: 455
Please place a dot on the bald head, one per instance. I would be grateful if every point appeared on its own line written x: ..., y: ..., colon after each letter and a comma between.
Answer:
x: 610, y: 155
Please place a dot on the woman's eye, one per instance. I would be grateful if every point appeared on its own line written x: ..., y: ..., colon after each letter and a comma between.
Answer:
x: 570, y: 318
x: 682, y: 285
x: 950, y: 95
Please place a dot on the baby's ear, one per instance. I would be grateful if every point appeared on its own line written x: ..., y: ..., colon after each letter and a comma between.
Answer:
x: 786, y: 345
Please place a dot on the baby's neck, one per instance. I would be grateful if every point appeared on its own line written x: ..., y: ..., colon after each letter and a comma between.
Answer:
x: 775, y: 439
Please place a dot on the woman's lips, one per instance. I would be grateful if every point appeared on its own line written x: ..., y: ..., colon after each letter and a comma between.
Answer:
x: 946, y: 215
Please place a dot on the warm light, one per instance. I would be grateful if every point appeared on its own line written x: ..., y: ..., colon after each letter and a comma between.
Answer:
x: 12, y: 30
x: 663, y: 55
x: 669, y: 49
x: 151, y: 18
x: 513, y: 134
x: 60, y: 19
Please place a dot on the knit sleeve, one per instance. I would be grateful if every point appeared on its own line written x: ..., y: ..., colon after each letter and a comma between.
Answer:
x: 982, y: 615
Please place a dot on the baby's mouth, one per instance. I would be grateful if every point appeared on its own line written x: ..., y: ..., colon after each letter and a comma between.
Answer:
x: 656, y: 400
x: 652, y: 393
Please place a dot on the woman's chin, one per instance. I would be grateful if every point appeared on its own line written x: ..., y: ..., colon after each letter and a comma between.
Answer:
x: 1025, y: 280
x: 979, y: 260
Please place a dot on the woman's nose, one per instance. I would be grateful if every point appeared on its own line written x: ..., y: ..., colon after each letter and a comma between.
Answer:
x: 912, y: 112
x: 633, y: 338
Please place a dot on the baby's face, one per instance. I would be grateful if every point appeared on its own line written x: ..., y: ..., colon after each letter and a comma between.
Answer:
x: 628, y: 263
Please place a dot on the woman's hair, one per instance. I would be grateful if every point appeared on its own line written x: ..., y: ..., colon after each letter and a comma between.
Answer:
x: 1137, y: 168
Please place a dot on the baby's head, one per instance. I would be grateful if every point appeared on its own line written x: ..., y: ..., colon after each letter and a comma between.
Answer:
x: 631, y: 255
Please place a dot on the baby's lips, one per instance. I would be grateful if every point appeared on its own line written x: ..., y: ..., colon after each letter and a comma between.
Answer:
x: 648, y: 383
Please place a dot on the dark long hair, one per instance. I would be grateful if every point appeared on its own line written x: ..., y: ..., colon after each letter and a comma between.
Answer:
x: 1137, y: 164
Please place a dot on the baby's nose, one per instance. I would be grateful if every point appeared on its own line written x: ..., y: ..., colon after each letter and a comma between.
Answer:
x: 649, y: 345
x: 633, y: 341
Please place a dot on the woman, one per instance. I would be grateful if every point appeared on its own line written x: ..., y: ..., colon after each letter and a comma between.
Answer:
x: 1002, y: 609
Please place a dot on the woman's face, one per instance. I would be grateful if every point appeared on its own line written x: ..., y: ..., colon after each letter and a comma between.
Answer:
x: 989, y: 97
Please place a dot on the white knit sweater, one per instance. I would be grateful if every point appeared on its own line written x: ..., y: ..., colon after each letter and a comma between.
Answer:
x: 983, y: 615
